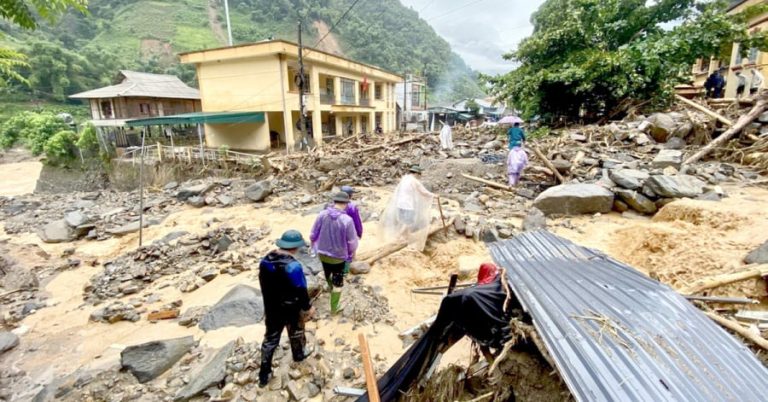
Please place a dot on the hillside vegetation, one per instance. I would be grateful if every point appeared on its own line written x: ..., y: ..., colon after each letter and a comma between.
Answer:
x: 80, y: 52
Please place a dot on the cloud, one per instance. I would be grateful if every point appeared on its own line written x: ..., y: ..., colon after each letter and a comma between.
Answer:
x: 480, y: 31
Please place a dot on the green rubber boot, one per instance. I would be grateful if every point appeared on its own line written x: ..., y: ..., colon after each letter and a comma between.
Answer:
x: 335, y: 299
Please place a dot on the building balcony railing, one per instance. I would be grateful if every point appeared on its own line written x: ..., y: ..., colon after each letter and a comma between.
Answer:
x: 327, y: 99
x: 348, y: 100
x: 365, y: 102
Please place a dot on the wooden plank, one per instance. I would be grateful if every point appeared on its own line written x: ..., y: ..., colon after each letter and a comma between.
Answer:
x: 370, y: 375
x: 740, y: 330
x: 751, y: 272
x: 488, y: 182
x: 752, y: 316
x: 548, y: 164
x: 743, y: 122
x: 705, y: 110
x: 163, y: 314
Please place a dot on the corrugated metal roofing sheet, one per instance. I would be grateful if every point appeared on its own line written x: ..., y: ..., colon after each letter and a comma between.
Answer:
x: 618, y: 335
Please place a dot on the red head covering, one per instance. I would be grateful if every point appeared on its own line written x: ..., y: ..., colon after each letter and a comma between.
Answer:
x: 487, y: 274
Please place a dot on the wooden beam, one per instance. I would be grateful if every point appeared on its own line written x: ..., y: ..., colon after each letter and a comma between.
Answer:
x: 373, y: 256
x: 743, y: 122
x: 370, y: 375
x: 548, y: 164
x: 488, y: 182
x: 752, y: 271
x: 741, y: 331
x: 407, y: 140
x: 705, y: 110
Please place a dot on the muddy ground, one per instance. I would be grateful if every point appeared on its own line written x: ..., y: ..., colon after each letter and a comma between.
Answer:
x: 686, y: 240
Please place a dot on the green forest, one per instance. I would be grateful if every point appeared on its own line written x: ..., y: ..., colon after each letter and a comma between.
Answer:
x: 83, y: 51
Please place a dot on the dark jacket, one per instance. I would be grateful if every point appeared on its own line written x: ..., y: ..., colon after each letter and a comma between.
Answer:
x: 283, y: 284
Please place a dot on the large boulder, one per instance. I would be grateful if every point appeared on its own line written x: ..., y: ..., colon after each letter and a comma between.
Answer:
x: 574, y: 199
x: 667, y: 158
x: 257, y: 192
x: 8, y: 341
x: 148, y: 361
x: 758, y: 255
x: 197, y: 190
x: 679, y: 186
x: 57, y: 232
x: 241, y: 306
x: 209, y: 375
x: 76, y: 218
x: 637, y: 201
x: 630, y: 179
x: 662, y: 126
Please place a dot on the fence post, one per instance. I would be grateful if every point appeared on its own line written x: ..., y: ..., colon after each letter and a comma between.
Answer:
x: 159, y: 152
x: 189, y: 155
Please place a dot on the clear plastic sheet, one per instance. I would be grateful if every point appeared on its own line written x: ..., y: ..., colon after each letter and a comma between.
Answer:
x: 446, y: 137
x: 408, y: 214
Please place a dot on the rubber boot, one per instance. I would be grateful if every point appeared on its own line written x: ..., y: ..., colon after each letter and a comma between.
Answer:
x: 335, y: 299
x: 265, y: 370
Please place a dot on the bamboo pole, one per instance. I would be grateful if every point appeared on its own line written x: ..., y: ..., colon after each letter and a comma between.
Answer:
x: 373, y: 256
x: 548, y: 164
x: 370, y: 375
x: 743, y: 121
x: 705, y: 110
x: 488, y: 182
x: 752, y: 271
x: 407, y: 140
x: 737, y: 328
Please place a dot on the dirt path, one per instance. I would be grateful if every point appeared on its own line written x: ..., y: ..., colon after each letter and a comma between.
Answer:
x: 213, y: 21
x: 19, y: 178
x: 330, y: 44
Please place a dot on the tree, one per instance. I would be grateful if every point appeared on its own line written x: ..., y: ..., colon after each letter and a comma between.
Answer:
x: 60, y: 148
x: 24, y: 13
x: 603, y: 56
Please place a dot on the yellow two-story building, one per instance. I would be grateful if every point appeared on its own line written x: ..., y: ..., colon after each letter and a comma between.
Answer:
x: 342, y: 97
x: 738, y: 63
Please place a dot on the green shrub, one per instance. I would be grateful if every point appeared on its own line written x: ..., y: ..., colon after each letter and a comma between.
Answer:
x: 32, y: 129
x: 60, y: 148
x: 88, y: 142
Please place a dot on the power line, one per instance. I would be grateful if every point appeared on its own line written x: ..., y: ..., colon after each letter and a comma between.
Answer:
x: 335, y: 24
x: 454, y: 10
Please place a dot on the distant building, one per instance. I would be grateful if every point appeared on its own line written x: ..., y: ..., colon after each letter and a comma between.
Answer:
x: 411, y: 98
x: 137, y: 95
x: 342, y: 96
x: 754, y: 58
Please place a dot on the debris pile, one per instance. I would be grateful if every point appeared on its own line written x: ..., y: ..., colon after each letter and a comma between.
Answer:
x: 196, y: 259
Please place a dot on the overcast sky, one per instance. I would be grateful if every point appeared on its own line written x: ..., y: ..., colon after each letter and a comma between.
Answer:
x: 479, y: 30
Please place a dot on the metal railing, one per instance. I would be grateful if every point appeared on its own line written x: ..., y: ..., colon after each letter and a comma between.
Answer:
x: 160, y: 152
x: 327, y: 99
x: 348, y: 100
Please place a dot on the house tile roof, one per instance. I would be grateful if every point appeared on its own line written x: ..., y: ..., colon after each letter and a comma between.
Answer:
x: 139, y: 84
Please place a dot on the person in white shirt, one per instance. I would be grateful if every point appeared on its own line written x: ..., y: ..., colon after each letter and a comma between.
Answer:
x: 409, y: 211
x: 757, y: 82
x: 446, y: 137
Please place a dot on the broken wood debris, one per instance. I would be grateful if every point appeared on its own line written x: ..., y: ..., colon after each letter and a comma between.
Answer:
x: 740, y: 330
x: 752, y: 271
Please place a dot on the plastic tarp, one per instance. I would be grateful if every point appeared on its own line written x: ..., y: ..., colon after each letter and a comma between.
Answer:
x: 446, y: 137
x: 516, y: 162
x: 408, y: 214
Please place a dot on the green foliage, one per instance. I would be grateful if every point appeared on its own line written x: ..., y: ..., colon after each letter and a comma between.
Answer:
x: 32, y: 129
x: 60, y: 148
x: 473, y: 107
x: 382, y: 32
x: 88, y: 140
x: 605, y: 55
x: 25, y: 13
x: 10, y: 62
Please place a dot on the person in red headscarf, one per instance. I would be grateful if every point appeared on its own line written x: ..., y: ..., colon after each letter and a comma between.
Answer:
x: 487, y: 274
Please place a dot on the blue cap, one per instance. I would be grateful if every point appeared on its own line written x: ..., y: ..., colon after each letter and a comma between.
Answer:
x: 347, y: 189
x: 290, y: 240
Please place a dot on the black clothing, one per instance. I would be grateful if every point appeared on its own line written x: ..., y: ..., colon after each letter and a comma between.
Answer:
x: 476, y: 312
x: 334, y: 273
x: 284, y: 290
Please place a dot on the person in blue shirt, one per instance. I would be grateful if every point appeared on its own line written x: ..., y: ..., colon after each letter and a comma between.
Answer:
x: 286, y: 301
x: 516, y: 136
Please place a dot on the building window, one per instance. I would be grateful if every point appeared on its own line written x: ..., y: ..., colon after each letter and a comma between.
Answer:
x: 145, y: 108
x: 377, y: 92
x: 106, y: 109
x: 329, y: 86
x: 347, y: 92
x: 753, y: 53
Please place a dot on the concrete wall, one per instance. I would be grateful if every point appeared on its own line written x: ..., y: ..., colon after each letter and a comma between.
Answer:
x: 242, y: 136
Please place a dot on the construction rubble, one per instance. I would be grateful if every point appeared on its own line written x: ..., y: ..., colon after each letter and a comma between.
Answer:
x: 636, y: 169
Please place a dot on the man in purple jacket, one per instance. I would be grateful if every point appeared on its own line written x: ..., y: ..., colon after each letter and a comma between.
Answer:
x: 353, y: 212
x: 335, y: 240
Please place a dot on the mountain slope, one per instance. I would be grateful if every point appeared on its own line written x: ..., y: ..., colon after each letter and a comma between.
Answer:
x: 147, y: 34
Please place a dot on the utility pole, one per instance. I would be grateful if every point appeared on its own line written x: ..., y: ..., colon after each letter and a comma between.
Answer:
x: 229, y: 25
x: 302, y: 83
x: 405, y: 100
x: 424, y: 78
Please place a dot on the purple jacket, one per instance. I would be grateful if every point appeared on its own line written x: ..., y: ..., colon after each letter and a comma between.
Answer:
x: 353, y: 213
x: 334, y: 234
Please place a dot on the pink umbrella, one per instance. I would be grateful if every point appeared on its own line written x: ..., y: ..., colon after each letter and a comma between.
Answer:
x: 510, y: 120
